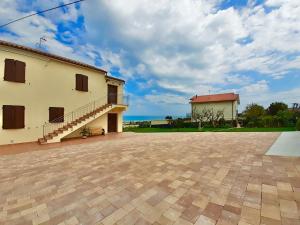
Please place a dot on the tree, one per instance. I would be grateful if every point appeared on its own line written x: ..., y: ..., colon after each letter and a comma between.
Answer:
x: 210, y: 115
x: 199, y: 115
x: 285, y: 117
x: 253, y: 114
x: 275, y: 107
x: 214, y: 116
x: 254, y: 111
x: 168, y: 118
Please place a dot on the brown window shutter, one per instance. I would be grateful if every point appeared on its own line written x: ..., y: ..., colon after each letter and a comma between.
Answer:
x: 20, y: 71
x: 82, y: 82
x: 19, y: 117
x: 13, y: 117
x: 78, y: 82
x: 85, y: 82
x: 61, y: 112
x: 8, y: 117
x: 9, y: 70
x: 52, y: 114
x: 56, y: 114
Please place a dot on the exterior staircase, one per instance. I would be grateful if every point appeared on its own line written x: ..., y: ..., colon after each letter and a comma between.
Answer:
x: 60, y: 127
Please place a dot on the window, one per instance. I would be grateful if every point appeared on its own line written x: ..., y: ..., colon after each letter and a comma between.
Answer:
x: 13, y: 117
x: 112, y: 94
x: 56, y: 114
x: 81, y: 82
x: 14, y: 70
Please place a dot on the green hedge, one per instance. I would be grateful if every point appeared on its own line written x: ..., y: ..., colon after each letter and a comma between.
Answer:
x: 298, y: 125
x: 282, y: 119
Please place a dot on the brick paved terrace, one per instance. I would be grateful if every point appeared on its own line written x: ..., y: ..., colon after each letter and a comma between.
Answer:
x: 174, y: 178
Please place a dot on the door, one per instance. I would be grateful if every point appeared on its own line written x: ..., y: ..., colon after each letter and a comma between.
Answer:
x: 112, y: 97
x: 112, y: 121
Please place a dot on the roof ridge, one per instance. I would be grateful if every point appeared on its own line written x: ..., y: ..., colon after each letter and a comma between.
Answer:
x: 215, y: 98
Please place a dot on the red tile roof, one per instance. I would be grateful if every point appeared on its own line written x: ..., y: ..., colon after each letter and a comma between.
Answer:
x: 215, y: 98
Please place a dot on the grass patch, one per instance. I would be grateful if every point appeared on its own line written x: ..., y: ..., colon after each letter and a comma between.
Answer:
x: 161, y: 130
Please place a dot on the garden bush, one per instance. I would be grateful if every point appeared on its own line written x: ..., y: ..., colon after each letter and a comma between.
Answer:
x: 277, y: 115
x: 177, y: 124
x: 298, y: 124
x: 285, y: 118
x: 144, y: 124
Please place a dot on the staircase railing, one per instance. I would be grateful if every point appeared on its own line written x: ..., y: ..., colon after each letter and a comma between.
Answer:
x: 60, y: 122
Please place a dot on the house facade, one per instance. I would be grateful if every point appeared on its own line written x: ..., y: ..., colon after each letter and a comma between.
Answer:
x: 47, y: 98
x: 227, y: 103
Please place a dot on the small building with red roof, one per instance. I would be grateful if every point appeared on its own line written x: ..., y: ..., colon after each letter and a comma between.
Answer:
x: 227, y: 102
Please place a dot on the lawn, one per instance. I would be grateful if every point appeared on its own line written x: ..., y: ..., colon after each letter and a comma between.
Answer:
x: 159, y: 130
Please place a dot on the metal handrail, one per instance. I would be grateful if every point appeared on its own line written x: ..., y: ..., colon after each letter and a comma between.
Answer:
x: 92, y: 107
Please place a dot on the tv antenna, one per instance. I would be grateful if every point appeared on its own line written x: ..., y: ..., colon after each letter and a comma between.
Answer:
x: 42, y: 39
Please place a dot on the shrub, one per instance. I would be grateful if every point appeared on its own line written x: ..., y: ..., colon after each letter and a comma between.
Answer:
x: 253, y: 115
x: 285, y: 118
x: 162, y: 126
x: 222, y: 122
x: 178, y: 123
x: 254, y: 111
x: 270, y: 121
x: 298, y: 124
x: 250, y: 124
x: 144, y: 124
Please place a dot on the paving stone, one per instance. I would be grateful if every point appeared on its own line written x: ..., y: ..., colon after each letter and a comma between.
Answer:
x: 270, y: 211
x: 213, y: 211
x: 289, y: 209
x: 288, y: 221
x: 170, y: 178
x: 269, y: 221
x: 203, y: 220
x: 250, y: 215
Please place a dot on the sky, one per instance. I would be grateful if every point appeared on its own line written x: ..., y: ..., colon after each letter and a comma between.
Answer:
x: 168, y: 51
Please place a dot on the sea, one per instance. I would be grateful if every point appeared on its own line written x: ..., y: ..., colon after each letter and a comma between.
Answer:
x: 128, y: 118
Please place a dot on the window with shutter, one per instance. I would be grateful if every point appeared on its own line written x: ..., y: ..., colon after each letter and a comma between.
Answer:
x: 56, y: 114
x: 85, y: 80
x: 78, y: 82
x: 9, y: 70
x: 20, y: 117
x: 81, y: 82
x: 14, y: 71
x: 20, y: 71
x: 13, y: 117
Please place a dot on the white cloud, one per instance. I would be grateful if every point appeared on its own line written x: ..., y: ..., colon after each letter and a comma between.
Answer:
x: 29, y: 31
x: 183, y: 47
x: 176, y: 39
x: 192, y: 43
x: 267, y: 97
x: 258, y: 87
x: 166, y: 99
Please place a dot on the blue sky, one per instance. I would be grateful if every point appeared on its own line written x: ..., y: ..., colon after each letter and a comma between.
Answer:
x: 168, y: 51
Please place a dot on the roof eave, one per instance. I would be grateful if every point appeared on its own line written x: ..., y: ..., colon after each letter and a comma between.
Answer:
x: 114, y: 78
x: 50, y: 55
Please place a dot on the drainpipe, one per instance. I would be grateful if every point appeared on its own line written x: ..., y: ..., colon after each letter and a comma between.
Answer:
x: 232, y: 113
